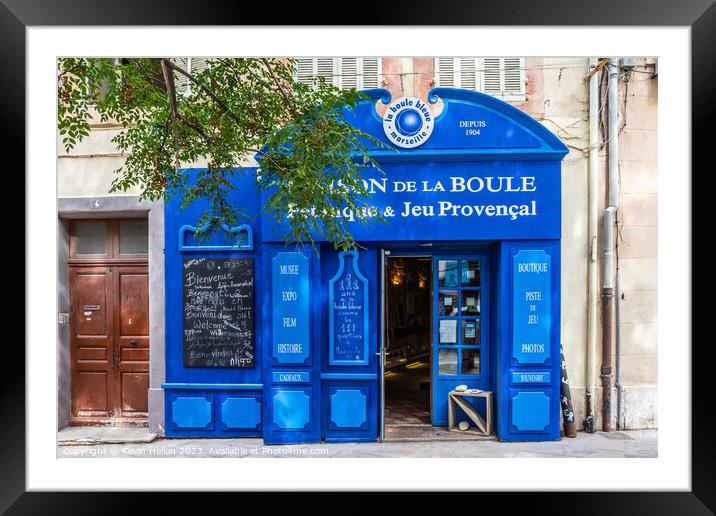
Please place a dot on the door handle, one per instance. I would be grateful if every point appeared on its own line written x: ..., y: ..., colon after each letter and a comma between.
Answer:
x: 133, y: 343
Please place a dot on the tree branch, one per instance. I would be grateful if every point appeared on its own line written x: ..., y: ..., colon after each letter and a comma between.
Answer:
x: 281, y: 90
x: 206, y: 90
x: 171, y: 92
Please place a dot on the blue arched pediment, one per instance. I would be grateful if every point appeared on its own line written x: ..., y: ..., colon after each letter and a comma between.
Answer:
x: 470, y: 126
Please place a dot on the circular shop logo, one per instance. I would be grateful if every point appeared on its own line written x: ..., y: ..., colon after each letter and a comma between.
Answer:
x: 408, y: 122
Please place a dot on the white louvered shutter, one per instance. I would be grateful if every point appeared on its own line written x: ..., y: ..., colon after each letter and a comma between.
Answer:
x: 303, y: 71
x: 371, y: 73
x: 491, y: 83
x: 199, y: 64
x: 326, y: 67
x: 343, y: 72
x: 348, y: 73
x: 180, y: 80
x: 457, y: 72
x: 445, y: 72
x: 504, y: 77
x: 514, y: 77
x: 468, y: 73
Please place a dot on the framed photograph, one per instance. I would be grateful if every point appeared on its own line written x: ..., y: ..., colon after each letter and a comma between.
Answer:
x: 496, y: 129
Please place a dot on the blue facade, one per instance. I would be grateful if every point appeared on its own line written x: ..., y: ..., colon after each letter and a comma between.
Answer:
x: 479, y: 183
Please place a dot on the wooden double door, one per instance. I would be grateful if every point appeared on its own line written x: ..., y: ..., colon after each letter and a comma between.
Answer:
x: 109, y: 344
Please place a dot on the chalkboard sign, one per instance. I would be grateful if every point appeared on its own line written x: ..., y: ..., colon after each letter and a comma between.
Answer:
x: 348, y: 302
x: 218, y: 301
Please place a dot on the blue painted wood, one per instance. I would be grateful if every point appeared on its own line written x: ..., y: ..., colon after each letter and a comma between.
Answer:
x: 455, y: 201
x: 213, y: 386
x: 348, y: 313
x: 291, y: 409
x: 349, y: 376
x: 291, y: 376
x: 349, y: 412
x: 348, y: 408
x: 531, y: 296
x: 505, y: 126
x: 444, y: 383
x: 530, y: 411
x: 244, y: 238
x: 509, y: 367
x: 290, y: 299
x: 529, y: 377
x: 519, y: 209
x: 192, y: 412
x: 207, y: 381
x: 274, y: 409
x: 241, y: 412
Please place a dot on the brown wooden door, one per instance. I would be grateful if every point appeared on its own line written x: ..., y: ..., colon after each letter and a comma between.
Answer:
x: 131, y: 341
x: 110, y: 344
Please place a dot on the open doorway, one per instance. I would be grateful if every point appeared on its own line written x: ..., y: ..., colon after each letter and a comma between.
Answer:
x: 408, y: 330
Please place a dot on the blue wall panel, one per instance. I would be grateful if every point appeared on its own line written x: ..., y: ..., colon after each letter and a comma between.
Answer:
x: 529, y: 413
x: 192, y: 413
x: 291, y: 409
x: 240, y: 412
x: 201, y: 412
x: 350, y: 410
x: 292, y: 387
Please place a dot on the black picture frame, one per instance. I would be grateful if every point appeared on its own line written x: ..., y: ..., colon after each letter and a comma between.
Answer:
x: 700, y: 15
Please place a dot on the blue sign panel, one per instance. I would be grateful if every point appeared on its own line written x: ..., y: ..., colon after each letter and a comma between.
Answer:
x: 475, y: 168
x: 348, y: 313
x: 530, y: 377
x: 454, y: 201
x: 290, y: 308
x: 291, y: 376
x: 531, y: 305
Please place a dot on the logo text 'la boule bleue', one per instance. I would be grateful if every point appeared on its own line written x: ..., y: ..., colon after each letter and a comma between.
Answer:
x: 408, y: 122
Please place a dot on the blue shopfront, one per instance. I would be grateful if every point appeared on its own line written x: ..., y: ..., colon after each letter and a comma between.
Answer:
x: 460, y: 286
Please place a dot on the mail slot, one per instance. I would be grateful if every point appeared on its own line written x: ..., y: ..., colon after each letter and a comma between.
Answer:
x: 91, y: 307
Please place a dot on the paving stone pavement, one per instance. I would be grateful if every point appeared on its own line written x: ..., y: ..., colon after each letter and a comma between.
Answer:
x: 633, y: 443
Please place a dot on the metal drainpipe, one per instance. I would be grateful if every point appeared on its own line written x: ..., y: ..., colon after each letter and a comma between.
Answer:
x: 618, y: 350
x: 609, y: 244
x: 607, y: 317
x: 592, y: 273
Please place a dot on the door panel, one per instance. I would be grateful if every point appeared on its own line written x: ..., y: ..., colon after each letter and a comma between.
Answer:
x: 132, y: 340
x: 91, y: 342
x: 460, y: 330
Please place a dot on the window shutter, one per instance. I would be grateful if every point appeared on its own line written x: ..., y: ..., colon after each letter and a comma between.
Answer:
x: 514, y: 77
x: 344, y: 72
x: 180, y: 81
x: 348, y: 73
x: 304, y: 70
x: 468, y: 73
x: 325, y: 68
x: 504, y: 77
x: 371, y: 73
x: 492, y: 85
x: 445, y: 67
x: 199, y: 64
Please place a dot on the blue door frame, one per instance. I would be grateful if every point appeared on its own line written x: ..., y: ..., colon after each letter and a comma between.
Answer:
x: 460, y: 306
x: 440, y: 385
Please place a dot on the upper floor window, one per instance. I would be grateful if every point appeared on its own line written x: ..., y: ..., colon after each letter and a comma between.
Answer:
x: 344, y: 72
x: 501, y: 77
x: 193, y: 65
